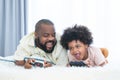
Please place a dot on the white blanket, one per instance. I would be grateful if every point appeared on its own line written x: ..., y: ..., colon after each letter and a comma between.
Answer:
x: 9, y: 71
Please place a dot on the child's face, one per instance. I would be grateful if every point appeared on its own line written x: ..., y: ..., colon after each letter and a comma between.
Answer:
x: 78, y: 49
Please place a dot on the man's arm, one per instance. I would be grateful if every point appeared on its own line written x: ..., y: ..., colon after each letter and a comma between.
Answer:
x: 20, y: 62
x: 19, y: 55
x: 63, y: 58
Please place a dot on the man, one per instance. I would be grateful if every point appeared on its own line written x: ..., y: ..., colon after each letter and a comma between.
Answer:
x: 44, y: 43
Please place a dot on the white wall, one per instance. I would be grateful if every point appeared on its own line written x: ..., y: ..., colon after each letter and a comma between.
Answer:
x: 102, y: 17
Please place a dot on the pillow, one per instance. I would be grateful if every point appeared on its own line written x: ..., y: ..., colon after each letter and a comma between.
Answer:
x: 104, y: 51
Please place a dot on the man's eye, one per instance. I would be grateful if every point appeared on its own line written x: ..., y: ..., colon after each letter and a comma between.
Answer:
x: 46, y: 35
x: 53, y: 35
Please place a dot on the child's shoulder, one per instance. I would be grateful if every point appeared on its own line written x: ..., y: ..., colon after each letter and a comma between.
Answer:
x: 93, y: 48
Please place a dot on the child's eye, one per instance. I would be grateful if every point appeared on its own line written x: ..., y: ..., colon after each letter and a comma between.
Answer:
x: 70, y: 48
x: 77, y: 46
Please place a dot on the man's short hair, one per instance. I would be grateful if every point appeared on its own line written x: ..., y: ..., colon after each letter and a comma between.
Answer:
x: 42, y: 21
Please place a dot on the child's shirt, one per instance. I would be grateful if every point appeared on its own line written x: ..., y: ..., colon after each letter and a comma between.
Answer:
x: 95, y: 57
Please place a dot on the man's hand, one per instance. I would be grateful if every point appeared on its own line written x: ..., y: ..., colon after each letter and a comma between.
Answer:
x: 28, y: 64
x: 47, y: 64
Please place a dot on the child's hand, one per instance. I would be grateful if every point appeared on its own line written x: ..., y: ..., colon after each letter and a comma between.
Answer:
x: 87, y: 62
x: 68, y: 65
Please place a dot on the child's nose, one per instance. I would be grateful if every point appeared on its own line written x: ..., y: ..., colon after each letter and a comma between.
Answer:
x: 75, y: 50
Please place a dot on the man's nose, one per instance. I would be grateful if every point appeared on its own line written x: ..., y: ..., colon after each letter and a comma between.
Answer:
x: 51, y: 38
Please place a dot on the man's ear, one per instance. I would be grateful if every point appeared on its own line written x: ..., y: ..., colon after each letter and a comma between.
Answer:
x: 36, y: 35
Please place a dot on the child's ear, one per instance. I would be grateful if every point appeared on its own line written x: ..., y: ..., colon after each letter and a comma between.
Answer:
x: 86, y: 45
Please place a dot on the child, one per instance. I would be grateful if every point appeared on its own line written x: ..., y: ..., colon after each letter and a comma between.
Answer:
x: 77, y: 40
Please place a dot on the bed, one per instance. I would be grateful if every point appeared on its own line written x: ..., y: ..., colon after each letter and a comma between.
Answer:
x: 9, y: 71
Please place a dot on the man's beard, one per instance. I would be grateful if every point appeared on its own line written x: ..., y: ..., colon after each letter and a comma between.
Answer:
x: 43, y: 46
x: 45, y: 49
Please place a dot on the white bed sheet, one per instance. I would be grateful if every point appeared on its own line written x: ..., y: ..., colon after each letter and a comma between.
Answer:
x: 9, y: 71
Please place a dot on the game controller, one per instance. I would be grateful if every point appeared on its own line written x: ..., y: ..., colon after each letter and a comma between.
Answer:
x: 37, y: 63
x: 77, y: 63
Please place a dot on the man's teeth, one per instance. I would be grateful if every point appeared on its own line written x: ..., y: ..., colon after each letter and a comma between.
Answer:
x: 49, y: 44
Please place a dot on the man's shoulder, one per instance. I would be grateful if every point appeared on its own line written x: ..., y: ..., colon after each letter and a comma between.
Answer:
x: 58, y: 46
x: 27, y: 38
x: 58, y: 36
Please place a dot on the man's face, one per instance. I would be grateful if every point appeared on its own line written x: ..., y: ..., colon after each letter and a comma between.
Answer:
x: 46, y: 36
